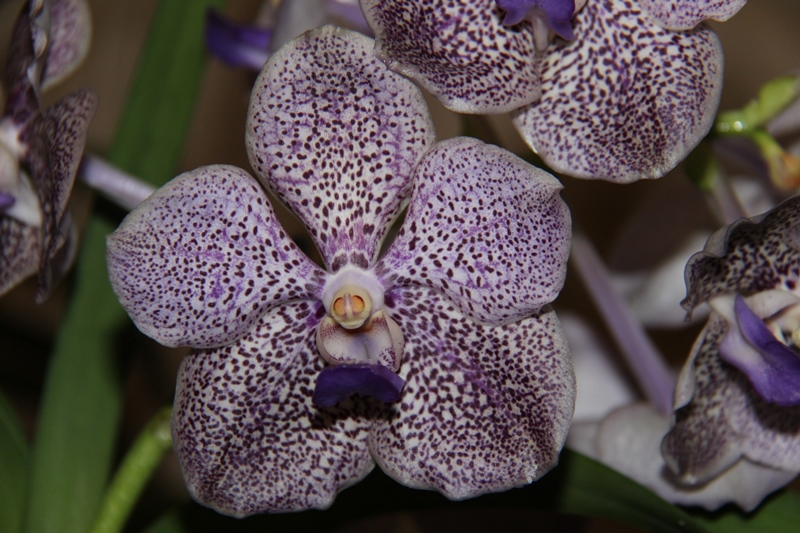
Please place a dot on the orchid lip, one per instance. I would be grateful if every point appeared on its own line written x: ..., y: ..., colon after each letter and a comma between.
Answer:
x: 336, y: 383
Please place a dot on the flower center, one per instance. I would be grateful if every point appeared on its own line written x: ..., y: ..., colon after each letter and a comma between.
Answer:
x: 359, y: 339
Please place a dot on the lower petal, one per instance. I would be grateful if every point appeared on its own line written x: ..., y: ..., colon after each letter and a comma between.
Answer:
x: 484, y: 409
x: 246, y: 433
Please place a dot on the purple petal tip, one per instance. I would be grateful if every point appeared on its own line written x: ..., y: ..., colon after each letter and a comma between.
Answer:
x: 6, y: 201
x: 777, y: 377
x: 237, y: 45
x: 335, y: 383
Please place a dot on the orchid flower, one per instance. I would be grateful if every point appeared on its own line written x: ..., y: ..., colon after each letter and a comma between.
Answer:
x: 439, y: 360
x: 625, y: 91
x: 40, y: 150
x: 738, y: 396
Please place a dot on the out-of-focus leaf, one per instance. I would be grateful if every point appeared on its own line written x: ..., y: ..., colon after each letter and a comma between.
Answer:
x: 81, y: 404
x: 14, y: 457
x: 780, y: 512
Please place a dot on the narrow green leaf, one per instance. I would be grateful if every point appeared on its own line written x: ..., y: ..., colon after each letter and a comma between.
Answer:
x: 81, y: 404
x: 780, y: 512
x: 14, y: 458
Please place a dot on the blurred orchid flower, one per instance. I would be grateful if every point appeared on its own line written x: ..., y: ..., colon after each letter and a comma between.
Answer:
x: 40, y: 149
x: 624, y: 92
x: 461, y: 375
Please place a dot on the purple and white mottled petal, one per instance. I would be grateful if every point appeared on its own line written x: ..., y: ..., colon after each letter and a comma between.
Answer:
x: 247, y: 436
x: 627, y: 100
x: 629, y: 441
x: 20, y: 246
x: 682, y: 15
x: 56, y: 144
x: 720, y: 418
x: 20, y: 92
x: 201, y: 260
x: 484, y: 408
x: 70, y: 36
x: 336, y: 136
x: 749, y: 256
x: 484, y: 227
x: 459, y: 51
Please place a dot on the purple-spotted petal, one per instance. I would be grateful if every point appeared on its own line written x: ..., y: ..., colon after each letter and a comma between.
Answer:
x: 201, y: 260
x: 627, y: 100
x: 69, y: 39
x: 484, y: 227
x: 749, y: 256
x: 681, y: 15
x: 238, y: 45
x: 459, y: 51
x: 20, y: 248
x: 484, y: 408
x: 20, y: 91
x: 249, y: 439
x: 57, y: 140
x: 337, y: 383
x: 775, y: 371
x: 336, y: 136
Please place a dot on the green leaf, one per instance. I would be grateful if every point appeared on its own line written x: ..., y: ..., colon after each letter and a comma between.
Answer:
x: 14, y: 458
x: 780, y: 512
x: 82, y: 397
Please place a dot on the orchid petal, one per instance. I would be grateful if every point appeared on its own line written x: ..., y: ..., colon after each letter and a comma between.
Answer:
x: 749, y: 256
x: 57, y: 141
x: 629, y: 440
x: 70, y: 36
x: 682, y: 15
x: 238, y: 45
x: 20, y: 247
x: 249, y: 439
x: 484, y: 408
x: 202, y: 259
x: 627, y: 100
x: 484, y: 227
x: 459, y: 51
x: 336, y: 136
x: 772, y: 367
x: 21, y: 93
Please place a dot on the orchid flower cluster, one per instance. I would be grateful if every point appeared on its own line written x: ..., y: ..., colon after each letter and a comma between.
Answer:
x: 424, y: 340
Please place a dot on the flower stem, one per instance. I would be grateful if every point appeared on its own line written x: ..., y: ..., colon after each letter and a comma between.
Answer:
x: 118, y: 186
x: 645, y: 362
x: 133, y: 473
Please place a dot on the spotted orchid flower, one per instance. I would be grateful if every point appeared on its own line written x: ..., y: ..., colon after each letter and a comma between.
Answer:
x: 738, y: 396
x: 438, y: 360
x: 40, y: 149
x: 620, y: 95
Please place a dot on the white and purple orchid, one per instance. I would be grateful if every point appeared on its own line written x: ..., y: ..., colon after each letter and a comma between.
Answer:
x: 40, y: 150
x: 625, y: 93
x: 738, y: 396
x: 461, y: 374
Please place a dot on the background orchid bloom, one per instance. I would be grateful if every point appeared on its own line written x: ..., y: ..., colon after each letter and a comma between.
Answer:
x: 464, y: 383
x: 40, y: 150
x: 627, y: 99
x: 738, y: 396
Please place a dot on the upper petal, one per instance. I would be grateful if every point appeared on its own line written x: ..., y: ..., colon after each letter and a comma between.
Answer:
x: 336, y: 136
x: 20, y: 247
x: 200, y: 261
x: 484, y: 227
x: 484, y: 409
x: 749, y: 256
x: 70, y: 36
x: 246, y: 433
x: 459, y: 51
x: 627, y: 99
x: 679, y: 15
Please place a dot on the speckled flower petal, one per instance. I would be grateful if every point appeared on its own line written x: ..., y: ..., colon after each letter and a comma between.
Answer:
x: 484, y: 227
x: 719, y: 417
x: 20, y: 92
x: 56, y: 144
x: 627, y: 100
x: 749, y: 256
x: 459, y: 51
x: 680, y: 15
x: 336, y: 135
x: 20, y: 246
x: 201, y: 260
x: 70, y: 36
x: 247, y: 436
x: 484, y: 408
